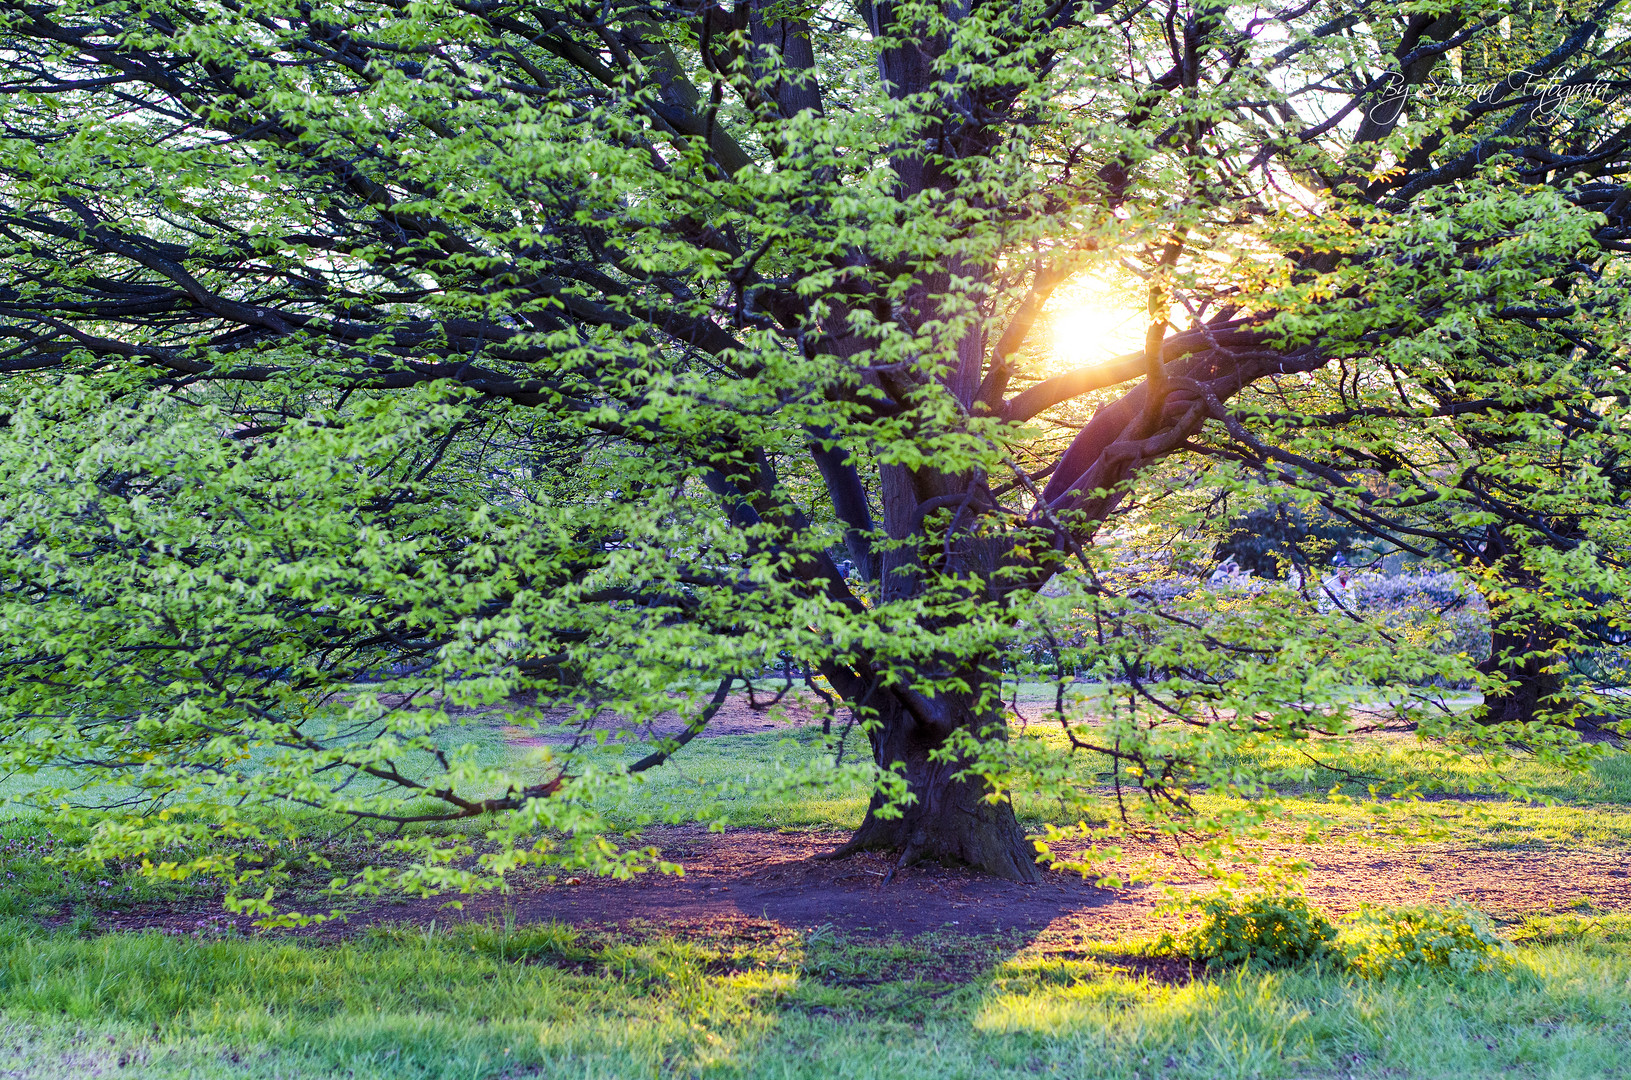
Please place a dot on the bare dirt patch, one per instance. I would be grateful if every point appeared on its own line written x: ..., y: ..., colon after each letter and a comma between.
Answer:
x: 748, y: 878
x: 776, y: 876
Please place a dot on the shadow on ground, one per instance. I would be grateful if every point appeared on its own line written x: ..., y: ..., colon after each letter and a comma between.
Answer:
x: 764, y: 877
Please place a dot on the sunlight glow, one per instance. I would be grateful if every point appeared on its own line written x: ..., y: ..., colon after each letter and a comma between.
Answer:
x: 1094, y: 320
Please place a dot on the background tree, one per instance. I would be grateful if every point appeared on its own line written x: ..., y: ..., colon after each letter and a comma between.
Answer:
x: 563, y: 350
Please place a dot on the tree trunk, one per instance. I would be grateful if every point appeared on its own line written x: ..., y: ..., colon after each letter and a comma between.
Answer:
x: 1534, y: 689
x: 1517, y: 652
x: 950, y: 820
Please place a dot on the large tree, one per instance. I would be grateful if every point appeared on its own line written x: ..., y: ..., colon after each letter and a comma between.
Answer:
x: 588, y: 349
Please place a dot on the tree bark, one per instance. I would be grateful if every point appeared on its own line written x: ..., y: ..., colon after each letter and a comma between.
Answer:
x: 949, y: 820
x: 1517, y: 654
x: 1534, y: 690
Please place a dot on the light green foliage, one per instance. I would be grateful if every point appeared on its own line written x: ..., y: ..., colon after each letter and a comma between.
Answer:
x: 1261, y: 931
x: 1268, y: 929
x: 1406, y: 940
x: 376, y: 373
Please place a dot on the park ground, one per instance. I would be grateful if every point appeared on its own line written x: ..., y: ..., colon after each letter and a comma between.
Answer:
x: 764, y: 961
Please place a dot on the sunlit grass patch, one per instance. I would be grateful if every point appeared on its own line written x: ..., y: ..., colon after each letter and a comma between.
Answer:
x: 708, y: 780
x: 1558, y: 1012
x: 480, y: 1000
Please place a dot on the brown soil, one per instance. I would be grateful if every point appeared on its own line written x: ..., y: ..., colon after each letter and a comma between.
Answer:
x: 748, y: 877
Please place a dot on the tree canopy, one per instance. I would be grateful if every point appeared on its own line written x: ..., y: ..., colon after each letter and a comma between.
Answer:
x: 368, y: 362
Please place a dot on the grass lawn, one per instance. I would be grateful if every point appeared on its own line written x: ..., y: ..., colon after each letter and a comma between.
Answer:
x: 486, y: 1001
x: 496, y: 999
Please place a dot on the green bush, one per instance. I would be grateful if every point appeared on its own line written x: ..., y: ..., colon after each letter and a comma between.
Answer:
x: 1456, y: 938
x: 1265, y: 930
x: 1606, y: 928
x: 1262, y: 930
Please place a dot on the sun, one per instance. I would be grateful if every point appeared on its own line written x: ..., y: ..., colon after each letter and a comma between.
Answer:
x: 1094, y: 319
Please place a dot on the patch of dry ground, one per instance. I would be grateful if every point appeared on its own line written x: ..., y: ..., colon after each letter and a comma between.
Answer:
x: 761, y: 877
x: 744, y: 879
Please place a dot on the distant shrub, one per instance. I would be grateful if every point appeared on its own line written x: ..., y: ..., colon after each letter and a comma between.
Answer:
x: 1441, y: 591
x: 1457, y: 938
x: 1262, y: 930
x: 1441, y: 605
x: 1439, y: 611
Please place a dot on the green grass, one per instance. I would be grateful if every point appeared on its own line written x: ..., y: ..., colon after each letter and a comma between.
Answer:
x: 486, y: 1001
x: 1594, y: 807
x: 688, y: 786
x: 704, y: 781
x: 498, y: 1000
